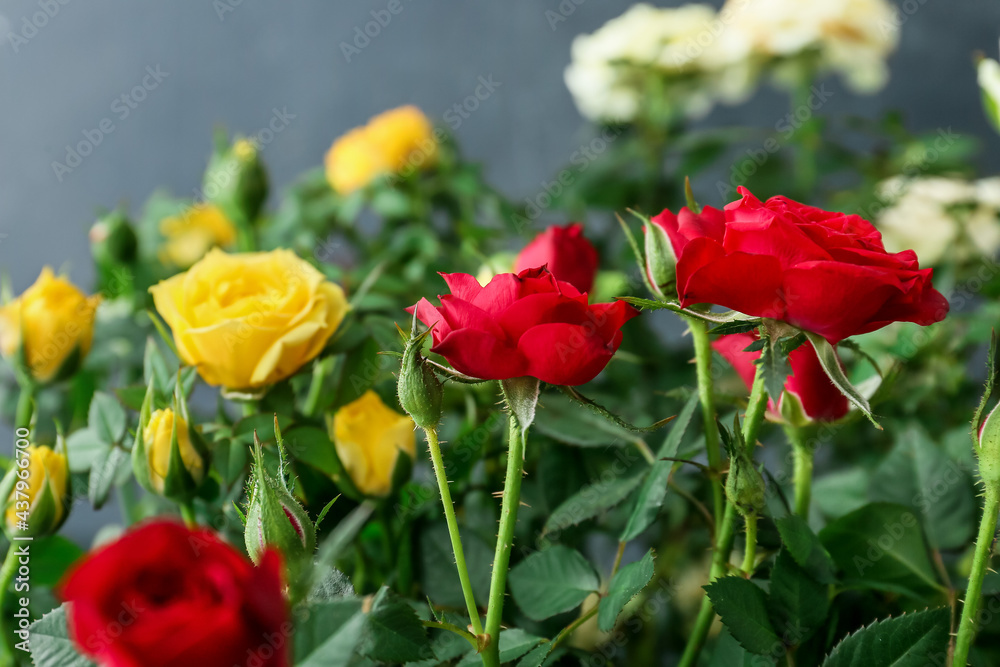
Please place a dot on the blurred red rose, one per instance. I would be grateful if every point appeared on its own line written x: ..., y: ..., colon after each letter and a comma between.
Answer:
x: 820, y: 271
x: 164, y: 595
x: 820, y: 399
x: 567, y: 254
x: 525, y: 324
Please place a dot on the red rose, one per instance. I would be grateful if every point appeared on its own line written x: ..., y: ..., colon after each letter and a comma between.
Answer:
x: 820, y: 271
x: 164, y: 595
x: 820, y: 399
x: 566, y: 253
x: 525, y: 324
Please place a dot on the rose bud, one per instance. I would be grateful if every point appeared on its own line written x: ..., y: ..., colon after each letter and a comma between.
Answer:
x: 820, y: 271
x: 661, y: 265
x: 169, y: 457
x: 274, y: 518
x: 36, y: 489
x: 164, y: 595
x: 988, y: 75
x: 988, y: 450
x: 114, y: 247
x: 524, y: 325
x: 188, y: 236
x: 47, y: 331
x: 745, y: 486
x: 369, y: 437
x: 809, y: 395
x: 567, y: 254
x: 419, y: 390
x: 246, y: 338
x: 236, y: 180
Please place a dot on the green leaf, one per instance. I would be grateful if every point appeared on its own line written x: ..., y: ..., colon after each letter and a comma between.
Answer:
x: 563, y: 420
x: 654, y: 490
x: 104, y: 473
x: 514, y: 643
x: 85, y: 448
x: 107, y: 418
x: 803, y: 546
x: 591, y: 500
x: 798, y: 603
x: 729, y: 653
x: 392, y: 632
x: 551, y: 582
x: 50, y: 643
x: 327, y: 633
x: 912, y: 640
x: 742, y: 606
x: 735, y: 327
x: 51, y: 557
x: 919, y: 474
x: 831, y: 366
x: 775, y: 367
x: 644, y: 304
x: 881, y: 546
x: 354, y: 374
x: 536, y: 657
x: 625, y: 585
x: 842, y: 492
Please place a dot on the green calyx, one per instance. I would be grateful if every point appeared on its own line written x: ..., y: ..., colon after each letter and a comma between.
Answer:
x: 420, y: 392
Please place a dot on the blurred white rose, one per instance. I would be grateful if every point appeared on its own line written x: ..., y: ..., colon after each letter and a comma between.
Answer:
x: 852, y: 37
x: 941, y: 218
x: 691, y: 48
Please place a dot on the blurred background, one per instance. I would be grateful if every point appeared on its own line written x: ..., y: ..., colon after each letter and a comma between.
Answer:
x: 145, y: 84
x: 161, y: 75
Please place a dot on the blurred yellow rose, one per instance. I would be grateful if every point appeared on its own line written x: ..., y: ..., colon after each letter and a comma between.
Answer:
x: 391, y: 142
x: 368, y: 436
x: 251, y: 319
x: 57, y: 321
x: 157, y: 440
x: 45, y: 504
x: 193, y: 233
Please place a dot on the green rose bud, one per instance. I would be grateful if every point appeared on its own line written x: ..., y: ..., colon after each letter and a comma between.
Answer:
x: 745, y: 486
x: 236, y: 181
x: 169, y: 458
x: 275, y: 519
x: 988, y: 450
x: 661, y: 265
x: 420, y: 391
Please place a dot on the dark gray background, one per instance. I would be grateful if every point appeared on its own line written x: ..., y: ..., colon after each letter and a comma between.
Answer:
x: 235, y: 68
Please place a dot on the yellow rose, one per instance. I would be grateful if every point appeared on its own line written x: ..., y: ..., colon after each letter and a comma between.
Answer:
x: 402, y: 136
x: 368, y: 436
x: 249, y: 320
x: 391, y: 142
x: 57, y: 321
x: 193, y: 233
x: 45, y: 498
x: 157, y: 440
x: 352, y: 162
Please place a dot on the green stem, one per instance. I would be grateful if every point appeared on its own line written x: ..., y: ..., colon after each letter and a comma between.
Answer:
x: 505, y: 540
x: 320, y: 372
x: 456, y: 539
x: 756, y: 407
x: 7, y: 572
x: 25, y: 406
x: 187, y: 513
x: 571, y: 628
x: 803, y: 470
x: 750, y: 555
x: 806, y: 173
x: 974, y: 592
x: 703, y: 366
